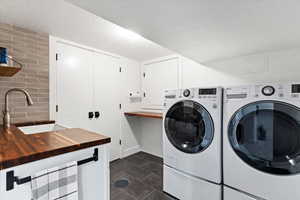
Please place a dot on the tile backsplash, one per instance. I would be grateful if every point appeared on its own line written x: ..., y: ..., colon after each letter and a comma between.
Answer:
x: 32, y: 50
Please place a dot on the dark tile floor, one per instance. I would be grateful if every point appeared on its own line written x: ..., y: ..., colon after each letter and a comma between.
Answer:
x: 144, y: 173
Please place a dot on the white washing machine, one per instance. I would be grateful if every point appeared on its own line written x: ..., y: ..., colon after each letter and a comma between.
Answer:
x: 192, y: 127
x: 262, y: 142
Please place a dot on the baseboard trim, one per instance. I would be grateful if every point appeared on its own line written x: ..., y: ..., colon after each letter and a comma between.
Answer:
x: 131, y: 151
x: 152, y: 153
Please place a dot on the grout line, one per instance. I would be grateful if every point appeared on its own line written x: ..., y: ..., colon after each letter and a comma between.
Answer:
x: 148, y: 195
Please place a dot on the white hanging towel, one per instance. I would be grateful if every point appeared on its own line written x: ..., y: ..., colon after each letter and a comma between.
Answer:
x: 58, y: 183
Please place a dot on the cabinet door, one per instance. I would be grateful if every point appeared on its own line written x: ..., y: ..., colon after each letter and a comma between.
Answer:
x: 106, y: 100
x: 157, y: 77
x: 74, y: 86
x: 93, y: 177
x: 89, y: 82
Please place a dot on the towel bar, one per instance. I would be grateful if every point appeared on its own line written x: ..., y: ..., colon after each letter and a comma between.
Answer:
x: 11, y: 178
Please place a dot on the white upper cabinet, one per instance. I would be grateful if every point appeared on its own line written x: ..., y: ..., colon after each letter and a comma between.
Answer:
x: 158, y: 76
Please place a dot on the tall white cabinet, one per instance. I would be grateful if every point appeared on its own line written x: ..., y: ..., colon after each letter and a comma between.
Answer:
x: 88, y: 83
x: 106, y: 99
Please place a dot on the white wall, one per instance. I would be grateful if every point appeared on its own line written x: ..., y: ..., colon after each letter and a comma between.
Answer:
x: 279, y: 66
x: 130, y: 126
x: 276, y: 66
x: 151, y: 136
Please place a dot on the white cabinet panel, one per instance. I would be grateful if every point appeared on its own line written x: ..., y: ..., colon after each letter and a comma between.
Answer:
x: 93, y: 177
x: 88, y: 82
x: 106, y: 100
x: 74, y: 83
x: 157, y: 77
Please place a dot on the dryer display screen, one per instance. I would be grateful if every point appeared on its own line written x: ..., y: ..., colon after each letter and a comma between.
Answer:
x: 210, y: 91
x: 296, y: 88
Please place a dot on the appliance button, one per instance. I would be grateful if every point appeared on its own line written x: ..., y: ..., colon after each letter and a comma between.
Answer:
x: 268, y: 90
x: 186, y: 93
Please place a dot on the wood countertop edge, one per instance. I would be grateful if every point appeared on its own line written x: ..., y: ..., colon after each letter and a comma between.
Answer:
x: 36, y: 155
x: 145, y: 114
x: 48, y: 154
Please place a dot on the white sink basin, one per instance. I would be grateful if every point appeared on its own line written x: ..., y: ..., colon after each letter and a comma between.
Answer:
x: 40, y: 128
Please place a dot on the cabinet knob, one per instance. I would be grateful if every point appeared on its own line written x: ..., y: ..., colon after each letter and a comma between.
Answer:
x: 97, y: 114
x: 91, y: 115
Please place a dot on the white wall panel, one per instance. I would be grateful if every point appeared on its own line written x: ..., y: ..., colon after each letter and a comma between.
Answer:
x: 276, y: 66
x: 151, y: 136
x: 130, y: 126
x: 196, y: 75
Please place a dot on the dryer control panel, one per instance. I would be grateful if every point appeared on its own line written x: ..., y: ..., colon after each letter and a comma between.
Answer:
x: 266, y: 91
x: 189, y: 93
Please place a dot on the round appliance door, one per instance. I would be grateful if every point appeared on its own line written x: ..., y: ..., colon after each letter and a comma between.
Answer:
x: 266, y: 135
x: 189, y: 126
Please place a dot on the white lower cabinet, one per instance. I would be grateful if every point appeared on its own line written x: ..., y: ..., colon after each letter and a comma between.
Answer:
x: 93, y: 177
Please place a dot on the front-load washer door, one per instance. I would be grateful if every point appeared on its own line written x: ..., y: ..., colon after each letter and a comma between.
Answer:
x: 266, y: 135
x: 189, y: 127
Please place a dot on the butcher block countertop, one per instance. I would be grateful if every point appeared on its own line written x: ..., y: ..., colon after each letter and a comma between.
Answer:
x: 17, y: 148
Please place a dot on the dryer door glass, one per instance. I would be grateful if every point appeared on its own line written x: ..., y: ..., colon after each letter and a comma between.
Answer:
x: 266, y: 135
x: 189, y: 126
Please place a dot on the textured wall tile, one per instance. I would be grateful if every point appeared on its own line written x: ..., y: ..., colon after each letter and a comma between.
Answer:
x: 31, y: 49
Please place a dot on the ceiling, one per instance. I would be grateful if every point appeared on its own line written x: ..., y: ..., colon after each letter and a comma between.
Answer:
x: 64, y: 20
x: 207, y: 30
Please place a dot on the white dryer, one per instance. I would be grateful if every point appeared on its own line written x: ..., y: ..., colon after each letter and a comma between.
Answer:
x: 262, y: 142
x: 192, y: 143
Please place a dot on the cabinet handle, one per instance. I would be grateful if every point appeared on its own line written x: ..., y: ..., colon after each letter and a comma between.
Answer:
x: 91, y: 115
x: 97, y: 114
